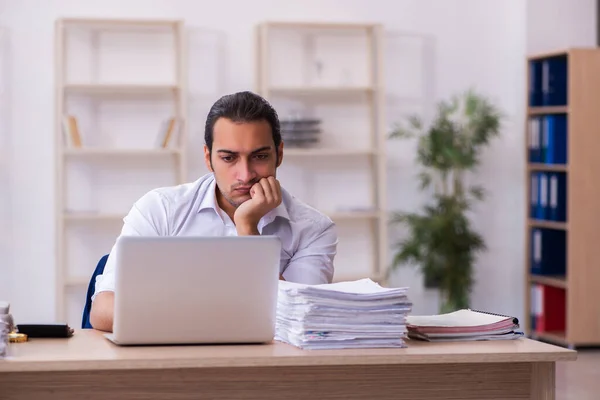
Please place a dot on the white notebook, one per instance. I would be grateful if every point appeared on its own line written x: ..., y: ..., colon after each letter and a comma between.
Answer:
x: 460, y: 318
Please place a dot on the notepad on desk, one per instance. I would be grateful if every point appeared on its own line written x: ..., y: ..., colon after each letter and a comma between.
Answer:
x: 463, y: 325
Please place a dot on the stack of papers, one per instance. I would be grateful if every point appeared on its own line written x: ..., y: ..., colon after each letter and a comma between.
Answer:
x: 463, y: 325
x: 354, y: 314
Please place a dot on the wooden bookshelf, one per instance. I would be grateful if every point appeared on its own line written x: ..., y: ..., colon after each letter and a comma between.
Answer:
x: 96, y: 80
x: 363, y: 91
x: 572, y: 294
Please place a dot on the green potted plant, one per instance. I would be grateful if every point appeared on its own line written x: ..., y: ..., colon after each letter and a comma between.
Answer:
x: 441, y: 240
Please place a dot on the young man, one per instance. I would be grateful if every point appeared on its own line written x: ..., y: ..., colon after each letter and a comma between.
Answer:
x: 240, y: 196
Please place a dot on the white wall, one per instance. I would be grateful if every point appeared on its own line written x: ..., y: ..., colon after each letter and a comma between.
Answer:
x: 469, y: 43
x: 5, y: 199
x: 558, y: 24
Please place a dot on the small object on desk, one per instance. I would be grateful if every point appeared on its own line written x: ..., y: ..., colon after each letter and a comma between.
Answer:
x: 46, y: 330
x: 15, y: 337
x: 463, y: 325
x: 6, y: 327
x: 354, y: 314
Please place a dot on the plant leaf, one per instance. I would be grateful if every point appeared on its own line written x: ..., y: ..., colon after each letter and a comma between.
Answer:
x: 478, y: 192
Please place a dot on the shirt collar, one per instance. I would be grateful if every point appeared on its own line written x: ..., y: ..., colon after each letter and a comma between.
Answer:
x: 209, y: 200
x: 209, y: 197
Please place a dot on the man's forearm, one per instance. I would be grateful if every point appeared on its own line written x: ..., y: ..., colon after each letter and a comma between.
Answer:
x: 101, y: 314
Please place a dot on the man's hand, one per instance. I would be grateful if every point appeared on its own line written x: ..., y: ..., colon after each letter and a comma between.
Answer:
x: 265, y: 196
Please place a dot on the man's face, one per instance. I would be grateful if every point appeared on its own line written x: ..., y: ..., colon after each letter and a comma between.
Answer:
x: 242, y: 154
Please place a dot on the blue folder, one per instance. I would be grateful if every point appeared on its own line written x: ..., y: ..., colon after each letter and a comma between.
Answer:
x: 548, y: 252
x: 554, y: 142
x: 554, y: 81
x: 557, y: 202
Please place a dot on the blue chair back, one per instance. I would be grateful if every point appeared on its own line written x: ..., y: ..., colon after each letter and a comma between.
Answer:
x: 85, y: 320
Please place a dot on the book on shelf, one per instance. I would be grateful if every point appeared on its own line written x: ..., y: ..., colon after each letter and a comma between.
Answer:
x: 548, y: 253
x: 548, y: 81
x: 169, y: 132
x: 71, y: 132
x: 548, y: 196
x: 463, y: 325
x: 547, y: 139
x: 547, y: 308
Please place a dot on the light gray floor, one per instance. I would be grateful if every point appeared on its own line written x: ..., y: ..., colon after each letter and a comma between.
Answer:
x: 579, y: 380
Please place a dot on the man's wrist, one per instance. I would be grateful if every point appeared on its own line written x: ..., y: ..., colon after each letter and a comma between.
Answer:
x: 247, y: 229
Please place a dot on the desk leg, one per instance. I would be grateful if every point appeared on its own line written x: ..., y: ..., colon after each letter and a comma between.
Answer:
x: 543, y: 381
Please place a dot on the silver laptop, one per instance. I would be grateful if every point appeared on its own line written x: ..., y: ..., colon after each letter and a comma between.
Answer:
x: 195, y: 290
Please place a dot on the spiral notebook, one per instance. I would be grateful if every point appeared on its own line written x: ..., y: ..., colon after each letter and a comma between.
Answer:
x: 463, y: 325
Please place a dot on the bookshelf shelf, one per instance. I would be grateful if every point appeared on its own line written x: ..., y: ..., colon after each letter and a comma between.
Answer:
x: 341, y: 215
x: 562, y: 278
x: 119, y: 88
x: 319, y: 26
x: 562, y: 226
x: 548, y: 54
x: 91, y: 152
x: 553, y: 281
x: 340, y: 277
x: 547, y: 167
x: 320, y: 91
x: 119, y: 23
x: 295, y: 152
x: 75, y: 281
x: 119, y: 83
x: 557, y: 337
x: 334, y: 74
x: 334, y: 215
x: 91, y: 216
x: 548, y: 110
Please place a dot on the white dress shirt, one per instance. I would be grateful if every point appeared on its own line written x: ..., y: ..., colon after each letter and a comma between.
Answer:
x: 308, y: 238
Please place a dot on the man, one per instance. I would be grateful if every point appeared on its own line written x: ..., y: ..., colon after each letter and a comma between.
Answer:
x: 240, y: 196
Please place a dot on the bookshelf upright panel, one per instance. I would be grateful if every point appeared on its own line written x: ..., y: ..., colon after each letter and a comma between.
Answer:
x: 583, y: 311
x: 563, y: 280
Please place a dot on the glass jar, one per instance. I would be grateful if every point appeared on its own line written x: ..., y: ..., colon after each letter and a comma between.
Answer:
x: 6, y: 326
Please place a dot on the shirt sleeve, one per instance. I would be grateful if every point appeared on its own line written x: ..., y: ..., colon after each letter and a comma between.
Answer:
x: 312, y: 263
x: 147, y: 217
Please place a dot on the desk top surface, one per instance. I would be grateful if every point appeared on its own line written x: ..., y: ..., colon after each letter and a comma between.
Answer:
x: 90, y: 350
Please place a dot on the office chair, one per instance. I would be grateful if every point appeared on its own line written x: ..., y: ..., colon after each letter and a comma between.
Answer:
x: 85, y: 320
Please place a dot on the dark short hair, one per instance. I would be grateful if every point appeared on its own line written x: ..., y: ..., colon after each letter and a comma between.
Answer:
x: 242, y: 107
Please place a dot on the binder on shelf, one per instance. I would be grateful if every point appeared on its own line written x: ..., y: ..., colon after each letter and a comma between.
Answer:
x: 71, y: 132
x: 533, y: 307
x: 534, y: 140
x: 548, y: 196
x: 557, y: 204
x: 542, y: 199
x: 548, y: 308
x: 554, y: 81
x: 534, y: 195
x: 548, y: 252
x: 535, y: 83
x: 554, y: 143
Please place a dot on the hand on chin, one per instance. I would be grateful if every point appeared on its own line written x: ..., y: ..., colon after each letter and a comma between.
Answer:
x: 264, y: 196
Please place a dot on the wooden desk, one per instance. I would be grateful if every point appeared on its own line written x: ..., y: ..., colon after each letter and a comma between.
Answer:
x: 89, y: 366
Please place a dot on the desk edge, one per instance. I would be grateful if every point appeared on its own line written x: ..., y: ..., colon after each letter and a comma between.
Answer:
x: 14, y: 365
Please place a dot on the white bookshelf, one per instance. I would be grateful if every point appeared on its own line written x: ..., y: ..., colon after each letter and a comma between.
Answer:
x: 333, y: 72
x: 122, y: 80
